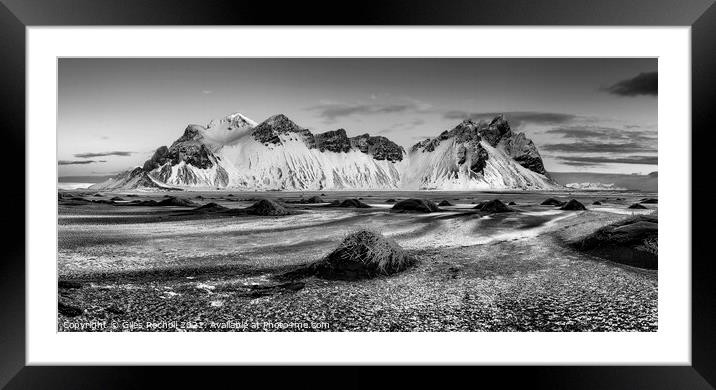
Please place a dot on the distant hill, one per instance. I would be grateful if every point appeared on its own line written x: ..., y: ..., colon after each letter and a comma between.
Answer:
x: 647, y: 183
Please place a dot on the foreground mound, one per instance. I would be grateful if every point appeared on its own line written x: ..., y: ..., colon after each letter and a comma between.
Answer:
x: 573, y: 204
x: 493, y: 206
x: 355, y: 203
x: 637, y: 206
x: 314, y: 199
x: 416, y: 206
x: 633, y: 241
x: 174, y: 201
x: 74, y: 201
x: 597, y: 203
x: 167, y: 201
x: 552, y: 202
x: 211, y: 207
x: 362, y: 254
x: 445, y: 203
x: 391, y: 200
x: 267, y: 207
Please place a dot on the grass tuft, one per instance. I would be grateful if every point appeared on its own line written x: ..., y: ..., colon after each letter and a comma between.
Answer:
x: 363, y: 254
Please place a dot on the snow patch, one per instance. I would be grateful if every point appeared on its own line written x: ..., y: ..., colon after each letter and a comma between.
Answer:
x: 588, y: 186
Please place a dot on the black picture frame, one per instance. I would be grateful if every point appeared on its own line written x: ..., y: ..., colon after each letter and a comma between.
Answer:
x: 16, y: 15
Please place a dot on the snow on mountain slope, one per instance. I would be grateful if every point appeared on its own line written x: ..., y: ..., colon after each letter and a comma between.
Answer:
x: 291, y: 164
x: 441, y: 170
x: 135, y: 179
x: 227, y: 130
x: 236, y: 152
x: 503, y: 172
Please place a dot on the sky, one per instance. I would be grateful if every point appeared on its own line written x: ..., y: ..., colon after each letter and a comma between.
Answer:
x: 584, y: 115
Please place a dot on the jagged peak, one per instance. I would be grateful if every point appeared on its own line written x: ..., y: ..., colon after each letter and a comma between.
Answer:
x: 235, y: 119
x: 279, y: 119
x: 342, y: 132
x: 501, y: 124
x: 192, y: 132
x: 238, y: 115
x: 269, y: 130
x: 498, y: 118
x: 465, y: 131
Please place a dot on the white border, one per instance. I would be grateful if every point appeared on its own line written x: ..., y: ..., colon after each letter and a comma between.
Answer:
x: 670, y: 345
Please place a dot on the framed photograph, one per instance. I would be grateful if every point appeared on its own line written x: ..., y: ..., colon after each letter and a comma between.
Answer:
x: 461, y: 184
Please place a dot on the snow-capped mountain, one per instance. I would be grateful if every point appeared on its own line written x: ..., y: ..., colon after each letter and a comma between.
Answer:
x: 235, y: 152
x: 476, y: 156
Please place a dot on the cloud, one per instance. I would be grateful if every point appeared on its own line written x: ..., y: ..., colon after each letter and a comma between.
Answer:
x: 79, y: 162
x: 332, y: 111
x: 207, y: 92
x: 403, y: 126
x: 579, y: 163
x: 607, y: 144
x: 601, y: 132
x: 516, y: 118
x: 103, y: 154
x: 584, y: 161
x: 598, y: 147
x: 646, y: 83
x: 337, y: 110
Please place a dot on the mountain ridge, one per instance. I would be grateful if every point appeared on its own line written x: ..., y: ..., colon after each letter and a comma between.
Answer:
x: 277, y: 154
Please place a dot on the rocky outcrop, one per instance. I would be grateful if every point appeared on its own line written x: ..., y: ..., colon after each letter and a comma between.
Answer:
x: 495, y: 131
x: 466, y: 131
x: 187, y: 148
x: 379, y: 147
x: 467, y: 135
x: 269, y: 130
x: 475, y: 153
x: 524, y: 152
x: 158, y: 159
x: 333, y: 141
x: 499, y: 134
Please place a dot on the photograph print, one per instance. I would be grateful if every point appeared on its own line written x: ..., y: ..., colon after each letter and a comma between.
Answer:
x: 357, y: 194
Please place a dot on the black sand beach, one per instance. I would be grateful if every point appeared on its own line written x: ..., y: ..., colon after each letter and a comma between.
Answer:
x: 174, y: 268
